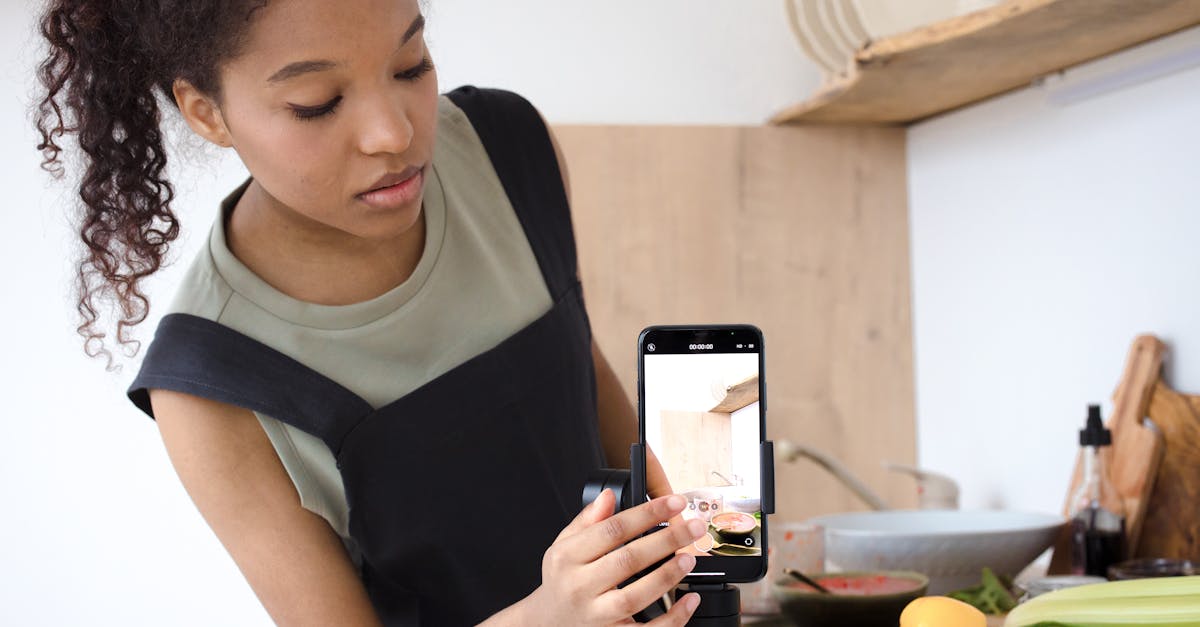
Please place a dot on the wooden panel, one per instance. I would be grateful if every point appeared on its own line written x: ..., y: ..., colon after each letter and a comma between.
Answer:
x: 802, y: 231
x: 965, y: 59
x: 701, y: 442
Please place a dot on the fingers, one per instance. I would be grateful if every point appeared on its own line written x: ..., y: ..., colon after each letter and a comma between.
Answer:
x: 629, y: 560
x: 606, y: 534
x: 596, y: 511
x: 680, y: 612
x: 641, y: 593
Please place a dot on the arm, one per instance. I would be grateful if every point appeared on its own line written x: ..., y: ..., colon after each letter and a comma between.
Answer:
x: 619, y: 425
x: 292, y: 559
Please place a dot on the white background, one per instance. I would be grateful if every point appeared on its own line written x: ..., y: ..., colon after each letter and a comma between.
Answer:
x: 1044, y: 237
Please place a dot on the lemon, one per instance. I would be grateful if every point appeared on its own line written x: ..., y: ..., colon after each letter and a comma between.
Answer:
x: 941, y: 612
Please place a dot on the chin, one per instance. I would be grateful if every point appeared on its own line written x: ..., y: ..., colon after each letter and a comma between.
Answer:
x: 392, y: 224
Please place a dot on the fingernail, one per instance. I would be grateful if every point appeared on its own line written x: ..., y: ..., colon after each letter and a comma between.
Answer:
x: 697, y: 527
x: 691, y: 601
x: 593, y: 505
x: 675, y: 502
x: 686, y: 562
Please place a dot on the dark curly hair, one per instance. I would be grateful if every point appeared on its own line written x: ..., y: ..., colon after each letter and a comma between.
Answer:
x: 109, y: 62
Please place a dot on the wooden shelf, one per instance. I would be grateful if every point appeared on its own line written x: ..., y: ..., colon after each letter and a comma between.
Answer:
x: 956, y: 62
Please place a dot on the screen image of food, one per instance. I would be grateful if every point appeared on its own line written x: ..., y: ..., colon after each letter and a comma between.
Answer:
x: 702, y: 422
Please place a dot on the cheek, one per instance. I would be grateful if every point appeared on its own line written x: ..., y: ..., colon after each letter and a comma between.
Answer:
x: 296, y: 164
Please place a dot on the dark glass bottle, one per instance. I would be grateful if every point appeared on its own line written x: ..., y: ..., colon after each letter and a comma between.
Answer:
x: 1097, y: 516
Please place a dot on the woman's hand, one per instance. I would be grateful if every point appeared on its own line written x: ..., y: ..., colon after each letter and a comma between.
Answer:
x: 581, y: 570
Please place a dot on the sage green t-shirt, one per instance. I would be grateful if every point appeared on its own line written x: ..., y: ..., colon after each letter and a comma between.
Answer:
x: 476, y: 284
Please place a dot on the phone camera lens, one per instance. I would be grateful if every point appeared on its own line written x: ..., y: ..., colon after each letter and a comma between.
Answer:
x: 650, y: 347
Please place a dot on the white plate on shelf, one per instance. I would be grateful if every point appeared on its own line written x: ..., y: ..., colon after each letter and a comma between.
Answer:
x: 827, y: 21
x: 811, y: 22
x: 883, y: 18
x: 797, y: 19
x: 847, y: 18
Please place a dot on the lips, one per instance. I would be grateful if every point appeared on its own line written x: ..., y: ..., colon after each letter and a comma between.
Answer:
x: 392, y: 178
x: 395, y: 191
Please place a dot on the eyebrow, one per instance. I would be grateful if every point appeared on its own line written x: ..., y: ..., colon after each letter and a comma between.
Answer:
x: 297, y: 68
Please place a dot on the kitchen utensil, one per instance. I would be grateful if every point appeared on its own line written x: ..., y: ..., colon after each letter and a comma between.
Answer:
x: 802, y: 577
x: 1171, y: 527
x: 950, y: 546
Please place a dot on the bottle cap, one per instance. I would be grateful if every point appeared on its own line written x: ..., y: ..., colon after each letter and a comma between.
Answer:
x: 1094, y: 434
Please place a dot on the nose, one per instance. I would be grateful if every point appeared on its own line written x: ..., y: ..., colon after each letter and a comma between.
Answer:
x: 385, y: 127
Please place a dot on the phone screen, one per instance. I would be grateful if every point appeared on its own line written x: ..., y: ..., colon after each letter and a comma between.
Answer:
x: 703, y: 417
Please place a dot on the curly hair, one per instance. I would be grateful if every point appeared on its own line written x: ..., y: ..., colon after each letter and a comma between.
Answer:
x: 109, y: 62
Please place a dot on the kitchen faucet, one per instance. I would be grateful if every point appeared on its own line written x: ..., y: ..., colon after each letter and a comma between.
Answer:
x: 737, y: 480
x: 935, y: 491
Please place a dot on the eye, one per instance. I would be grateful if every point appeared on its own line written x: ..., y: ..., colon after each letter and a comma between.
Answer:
x: 312, y: 113
x: 417, y: 71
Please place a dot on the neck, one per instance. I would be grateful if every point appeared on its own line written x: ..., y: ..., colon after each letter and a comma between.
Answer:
x: 313, y: 262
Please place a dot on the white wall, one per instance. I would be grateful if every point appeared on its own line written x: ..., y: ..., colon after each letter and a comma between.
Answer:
x: 96, y: 528
x: 624, y: 61
x: 1048, y: 229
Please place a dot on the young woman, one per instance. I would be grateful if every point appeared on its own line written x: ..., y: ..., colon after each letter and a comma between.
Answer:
x: 377, y: 382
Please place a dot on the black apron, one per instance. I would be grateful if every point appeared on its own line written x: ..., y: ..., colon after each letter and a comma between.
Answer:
x: 457, y: 489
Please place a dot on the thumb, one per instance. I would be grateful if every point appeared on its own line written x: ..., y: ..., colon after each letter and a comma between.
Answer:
x: 597, y: 510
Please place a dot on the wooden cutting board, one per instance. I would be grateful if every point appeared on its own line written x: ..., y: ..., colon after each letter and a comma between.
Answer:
x: 1172, y: 524
x: 1136, y: 451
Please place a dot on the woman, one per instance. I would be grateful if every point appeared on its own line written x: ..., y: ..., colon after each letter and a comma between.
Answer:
x: 377, y: 382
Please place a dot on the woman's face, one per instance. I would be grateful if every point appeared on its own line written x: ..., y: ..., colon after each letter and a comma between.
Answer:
x: 330, y: 100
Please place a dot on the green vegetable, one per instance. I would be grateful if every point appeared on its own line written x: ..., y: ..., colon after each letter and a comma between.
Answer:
x: 990, y: 597
x: 1163, y: 602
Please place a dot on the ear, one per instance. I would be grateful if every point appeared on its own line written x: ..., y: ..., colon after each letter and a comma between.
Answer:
x: 201, y: 113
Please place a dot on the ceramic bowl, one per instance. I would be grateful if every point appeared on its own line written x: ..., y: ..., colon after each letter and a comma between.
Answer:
x: 950, y: 546
x: 808, y: 608
x: 733, y: 526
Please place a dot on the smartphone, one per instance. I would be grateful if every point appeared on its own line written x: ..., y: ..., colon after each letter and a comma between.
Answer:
x: 702, y: 411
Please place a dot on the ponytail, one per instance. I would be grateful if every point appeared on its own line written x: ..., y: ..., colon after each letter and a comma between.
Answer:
x: 108, y: 63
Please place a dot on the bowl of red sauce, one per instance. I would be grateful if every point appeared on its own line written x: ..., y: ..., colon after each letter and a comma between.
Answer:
x: 861, y: 599
x: 734, y: 526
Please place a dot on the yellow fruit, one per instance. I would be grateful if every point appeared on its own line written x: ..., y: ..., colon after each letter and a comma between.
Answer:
x: 941, y: 612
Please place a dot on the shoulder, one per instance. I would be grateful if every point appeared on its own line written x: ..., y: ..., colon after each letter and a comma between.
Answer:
x: 505, y: 119
x: 480, y: 102
x: 203, y: 290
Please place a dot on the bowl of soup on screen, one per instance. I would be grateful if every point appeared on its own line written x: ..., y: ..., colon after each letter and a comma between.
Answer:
x: 733, y: 526
x: 862, y: 599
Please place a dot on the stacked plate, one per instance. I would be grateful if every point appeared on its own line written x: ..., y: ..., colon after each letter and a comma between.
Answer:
x: 831, y: 31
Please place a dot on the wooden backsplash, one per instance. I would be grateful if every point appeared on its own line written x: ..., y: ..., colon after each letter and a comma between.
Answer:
x: 801, y: 231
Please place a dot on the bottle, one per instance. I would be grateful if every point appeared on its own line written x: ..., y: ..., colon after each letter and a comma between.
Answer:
x: 1097, y: 513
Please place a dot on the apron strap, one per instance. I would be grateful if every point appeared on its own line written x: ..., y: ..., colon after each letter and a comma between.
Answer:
x: 519, y: 147
x: 197, y: 356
